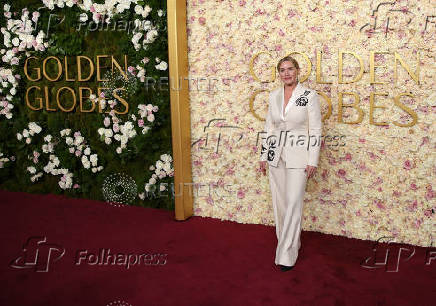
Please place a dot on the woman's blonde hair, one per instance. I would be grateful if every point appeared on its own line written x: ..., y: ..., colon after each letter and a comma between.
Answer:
x: 288, y: 58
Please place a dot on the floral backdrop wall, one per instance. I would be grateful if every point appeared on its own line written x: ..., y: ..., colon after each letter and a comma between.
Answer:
x: 377, y: 167
x: 78, y: 114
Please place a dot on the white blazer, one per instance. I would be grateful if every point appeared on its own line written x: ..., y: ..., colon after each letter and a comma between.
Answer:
x: 297, y: 134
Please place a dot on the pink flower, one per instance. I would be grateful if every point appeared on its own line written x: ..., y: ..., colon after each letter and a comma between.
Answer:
x: 326, y: 191
x: 140, y: 123
x: 75, y: 186
x: 341, y: 172
x: 413, y: 206
x: 202, y: 20
x: 209, y: 200
x: 379, y: 204
x: 230, y: 172
x: 378, y: 180
x: 348, y: 157
x: 429, y: 194
x: 92, y: 9
x: 291, y: 13
x: 241, y: 193
x: 413, y: 186
x: 407, y: 165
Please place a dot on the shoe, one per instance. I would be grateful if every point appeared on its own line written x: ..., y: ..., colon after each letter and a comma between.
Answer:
x: 285, y: 268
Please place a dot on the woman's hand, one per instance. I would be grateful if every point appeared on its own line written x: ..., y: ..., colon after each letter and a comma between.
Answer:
x: 263, y: 167
x: 310, y: 170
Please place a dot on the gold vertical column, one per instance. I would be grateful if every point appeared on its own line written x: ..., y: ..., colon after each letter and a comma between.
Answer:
x: 180, y: 111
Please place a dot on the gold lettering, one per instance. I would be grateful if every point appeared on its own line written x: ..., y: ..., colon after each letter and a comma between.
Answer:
x: 59, y: 103
x: 340, y: 68
x: 38, y: 70
x: 123, y: 73
x: 79, y: 68
x: 318, y: 68
x: 372, y: 66
x: 354, y: 105
x: 415, y: 76
x: 406, y: 109
x: 37, y: 99
x: 44, y: 72
x: 372, y: 107
x: 124, y: 102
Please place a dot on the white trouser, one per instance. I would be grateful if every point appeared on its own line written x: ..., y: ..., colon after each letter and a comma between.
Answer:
x: 287, y: 189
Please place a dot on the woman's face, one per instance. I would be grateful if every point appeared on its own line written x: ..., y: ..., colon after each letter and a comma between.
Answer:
x: 288, y: 73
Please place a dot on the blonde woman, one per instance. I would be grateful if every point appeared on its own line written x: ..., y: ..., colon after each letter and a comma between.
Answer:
x: 291, y: 148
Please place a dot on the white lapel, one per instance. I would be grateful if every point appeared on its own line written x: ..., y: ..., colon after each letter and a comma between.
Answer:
x: 281, y: 97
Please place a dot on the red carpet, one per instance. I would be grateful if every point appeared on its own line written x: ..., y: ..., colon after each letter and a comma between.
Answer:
x: 208, y: 262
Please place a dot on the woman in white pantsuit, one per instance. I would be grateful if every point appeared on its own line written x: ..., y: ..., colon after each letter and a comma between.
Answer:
x: 291, y: 148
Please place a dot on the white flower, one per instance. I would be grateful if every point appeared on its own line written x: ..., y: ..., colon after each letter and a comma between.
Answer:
x: 100, y: 131
x: 87, y: 151
x: 150, y: 118
x: 83, y: 17
x: 108, y: 133
x: 78, y: 140
x: 35, y: 127
x: 28, y: 140
x: 139, y: 9
x: 19, y: 136
x: 69, y: 141
x: 106, y: 121
x: 65, y: 132
x: 159, y: 164
x: 119, y: 150
x: 15, y: 41
x: 93, y: 158
x: 162, y: 66
x: 48, y: 138
x: 84, y: 159
x: 31, y: 170
x: 108, y: 140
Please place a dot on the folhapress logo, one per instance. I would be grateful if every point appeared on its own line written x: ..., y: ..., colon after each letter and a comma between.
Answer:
x: 388, y: 256
x: 38, y: 254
